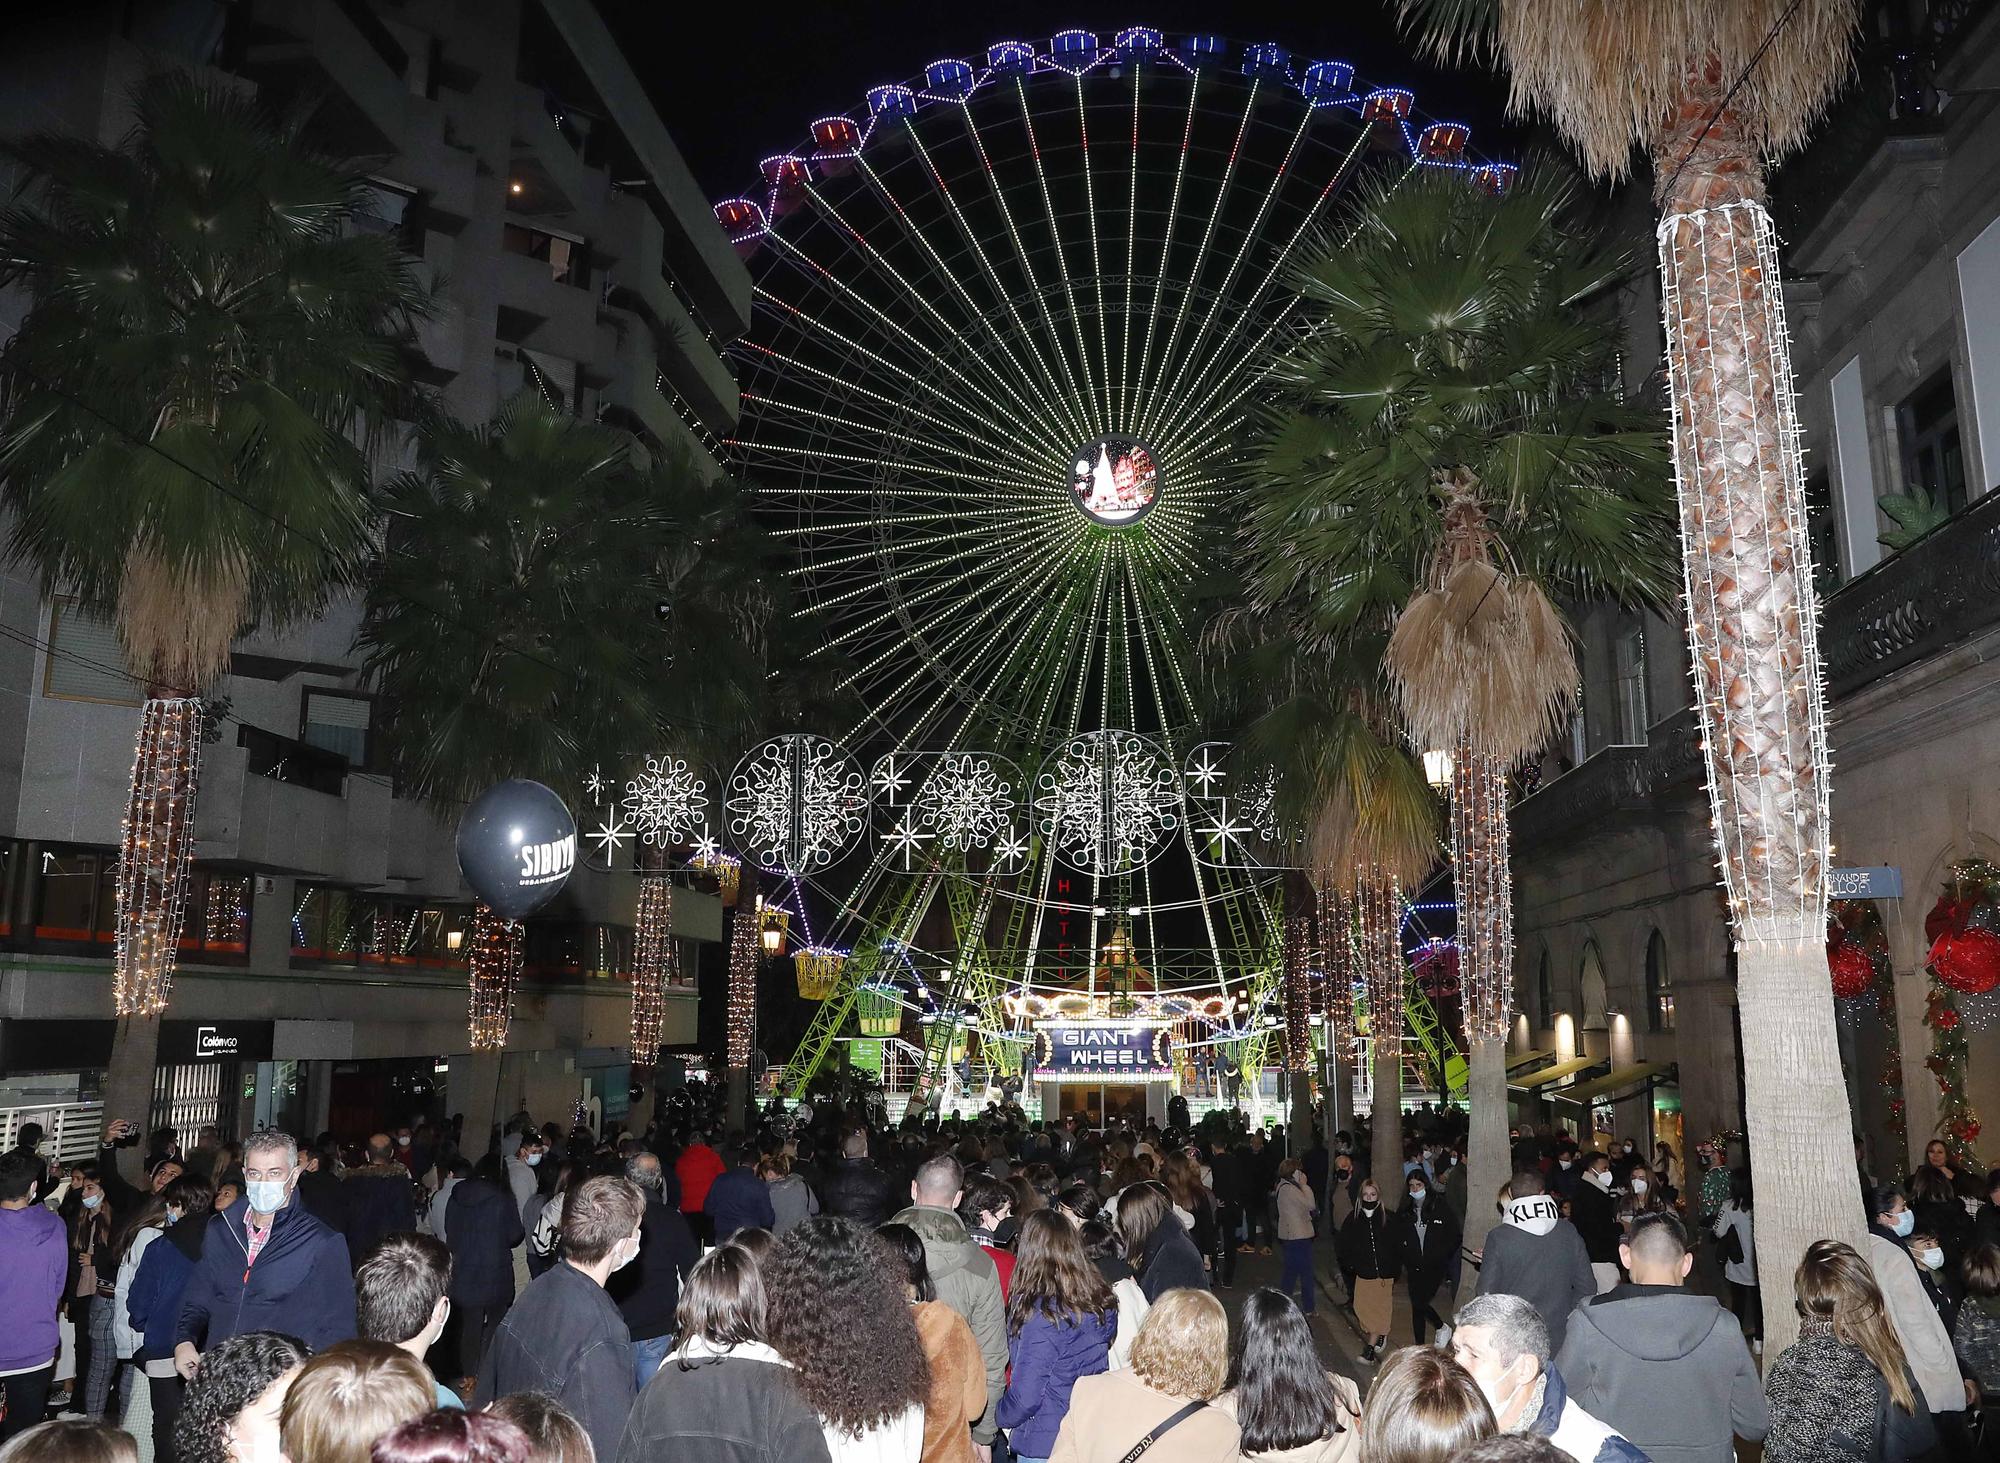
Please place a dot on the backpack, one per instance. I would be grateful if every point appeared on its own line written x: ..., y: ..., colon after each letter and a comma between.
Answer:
x: 544, y: 1238
x: 1729, y: 1246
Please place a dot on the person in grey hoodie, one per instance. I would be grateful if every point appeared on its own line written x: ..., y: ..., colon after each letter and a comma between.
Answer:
x: 963, y: 1273
x: 1668, y: 1369
x: 34, y: 1262
x: 1537, y: 1255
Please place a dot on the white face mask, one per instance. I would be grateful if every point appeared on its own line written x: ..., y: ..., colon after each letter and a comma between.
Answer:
x: 1638, y: 1186
x: 630, y: 1252
x: 531, y: 1159
x: 1566, y: 1163
x: 1933, y: 1258
x: 91, y: 1201
x: 1903, y: 1223
x: 1601, y: 1177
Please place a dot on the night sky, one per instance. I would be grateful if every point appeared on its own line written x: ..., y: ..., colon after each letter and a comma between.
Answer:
x: 732, y: 97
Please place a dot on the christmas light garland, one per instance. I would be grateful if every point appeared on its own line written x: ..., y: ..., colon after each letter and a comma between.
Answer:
x: 1294, y: 992
x: 495, y: 972
x: 1481, y: 880
x: 740, y: 1014
x: 652, y: 964
x: 156, y: 846
x: 1378, y: 907
x: 1336, y: 943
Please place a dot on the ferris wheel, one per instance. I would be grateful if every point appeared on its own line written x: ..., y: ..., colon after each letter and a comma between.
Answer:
x: 1010, y: 321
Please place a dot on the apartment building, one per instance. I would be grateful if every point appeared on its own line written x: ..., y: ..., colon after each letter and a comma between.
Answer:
x: 513, y: 150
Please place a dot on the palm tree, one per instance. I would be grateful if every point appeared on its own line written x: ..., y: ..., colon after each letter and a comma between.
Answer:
x: 1712, y: 90
x: 186, y: 417
x: 1447, y: 451
x: 550, y: 600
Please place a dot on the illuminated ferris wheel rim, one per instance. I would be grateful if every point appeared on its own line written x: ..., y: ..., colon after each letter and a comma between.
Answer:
x: 1032, y: 500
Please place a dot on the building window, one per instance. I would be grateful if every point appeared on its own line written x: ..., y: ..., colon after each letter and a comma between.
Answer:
x: 1591, y: 992
x: 1629, y: 667
x: 1545, y: 994
x: 217, y: 922
x: 76, y: 897
x: 336, y: 926
x: 1823, y: 533
x: 1927, y: 427
x: 567, y: 257
x: 391, y: 209
x: 86, y: 662
x: 1659, y: 986
x: 338, y: 721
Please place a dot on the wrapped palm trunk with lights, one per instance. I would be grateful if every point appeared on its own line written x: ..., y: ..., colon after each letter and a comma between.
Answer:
x: 1752, y: 632
x: 156, y: 849
x: 1378, y: 914
x: 746, y: 951
x: 652, y: 959
x: 1295, y: 995
x: 1483, y: 884
x: 1336, y: 944
x: 495, y: 972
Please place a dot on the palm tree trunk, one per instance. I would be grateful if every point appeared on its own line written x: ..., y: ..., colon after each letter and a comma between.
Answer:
x: 1336, y: 943
x: 1753, y: 636
x: 1482, y: 878
x: 652, y: 961
x: 156, y: 849
x: 740, y: 1013
x: 1295, y: 996
x: 494, y: 971
x: 1379, y: 910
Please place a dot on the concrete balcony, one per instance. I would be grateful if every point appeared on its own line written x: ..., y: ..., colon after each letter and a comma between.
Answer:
x: 683, y: 351
x: 553, y: 176
x: 558, y: 318
x: 338, y: 49
x: 632, y: 399
x: 446, y: 172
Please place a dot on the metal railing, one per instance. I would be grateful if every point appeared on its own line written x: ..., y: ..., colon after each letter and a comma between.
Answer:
x: 70, y: 1130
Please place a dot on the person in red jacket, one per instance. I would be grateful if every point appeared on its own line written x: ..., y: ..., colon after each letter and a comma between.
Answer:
x: 697, y: 1168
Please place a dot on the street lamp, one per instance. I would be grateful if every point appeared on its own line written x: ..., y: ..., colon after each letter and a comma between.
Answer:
x: 1437, y: 769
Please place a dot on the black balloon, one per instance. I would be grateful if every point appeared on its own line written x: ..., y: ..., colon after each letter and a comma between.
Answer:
x: 516, y: 846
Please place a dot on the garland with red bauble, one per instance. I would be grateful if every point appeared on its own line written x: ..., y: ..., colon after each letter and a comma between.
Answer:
x: 1857, y: 957
x: 1964, y: 930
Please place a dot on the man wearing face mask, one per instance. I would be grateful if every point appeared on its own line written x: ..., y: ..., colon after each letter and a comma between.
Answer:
x: 266, y: 1264
x: 1593, y: 1208
x: 1502, y: 1342
x: 1926, y: 1343
x: 565, y: 1336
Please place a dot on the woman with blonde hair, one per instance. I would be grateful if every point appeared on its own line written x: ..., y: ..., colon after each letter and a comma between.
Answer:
x: 348, y: 1396
x: 1180, y: 1363
x: 1844, y: 1389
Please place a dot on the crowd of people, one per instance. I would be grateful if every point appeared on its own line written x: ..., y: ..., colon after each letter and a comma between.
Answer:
x: 827, y: 1285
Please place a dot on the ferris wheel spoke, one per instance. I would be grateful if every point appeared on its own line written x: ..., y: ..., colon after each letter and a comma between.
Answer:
x: 903, y: 600
x: 923, y: 351
x: 1036, y: 381
x: 1227, y: 350
x: 886, y: 434
x: 1146, y: 393
x: 1078, y: 413
x: 995, y: 282
x: 1062, y: 256
x: 967, y: 410
x: 1124, y: 385
x: 1240, y: 310
x: 1096, y: 256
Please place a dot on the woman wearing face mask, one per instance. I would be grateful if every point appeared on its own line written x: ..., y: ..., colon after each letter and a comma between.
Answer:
x: 1370, y: 1251
x: 1739, y: 1258
x: 114, y: 1341
x: 1430, y: 1233
x: 1941, y: 1285
x: 88, y: 1216
x: 1641, y: 1195
x: 1926, y: 1342
x: 153, y: 1301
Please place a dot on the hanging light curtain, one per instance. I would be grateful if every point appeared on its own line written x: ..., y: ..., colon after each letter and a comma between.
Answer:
x: 495, y: 971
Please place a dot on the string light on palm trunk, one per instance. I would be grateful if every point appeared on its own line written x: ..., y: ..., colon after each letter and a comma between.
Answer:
x: 1480, y: 877
x: 495, y: 964
x: 652, y: 965
x: 1336, y: 943
x: 156, y: 846
x: 1378, y: 910
x: 740, y: 1015
x: 1294, y: 993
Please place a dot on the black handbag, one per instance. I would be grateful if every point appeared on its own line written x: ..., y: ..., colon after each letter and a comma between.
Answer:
x: 1166, y: 1426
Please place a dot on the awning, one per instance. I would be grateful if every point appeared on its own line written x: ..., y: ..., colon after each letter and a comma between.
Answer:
x: 1616, y: 1084
x: 1528, y: 1059
x: 1554, y: 1074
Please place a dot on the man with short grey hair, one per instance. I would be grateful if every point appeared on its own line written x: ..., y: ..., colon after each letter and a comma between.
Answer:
x: 266, y: 1264
x: 1503, y: 1342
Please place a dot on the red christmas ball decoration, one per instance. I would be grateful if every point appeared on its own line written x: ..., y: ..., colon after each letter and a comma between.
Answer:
x: 1852, y: 971
x: 1968, y: 961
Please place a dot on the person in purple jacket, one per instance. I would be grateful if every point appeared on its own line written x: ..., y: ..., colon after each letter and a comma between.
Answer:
x: 34, y: 1260
x: 1061, y: 1321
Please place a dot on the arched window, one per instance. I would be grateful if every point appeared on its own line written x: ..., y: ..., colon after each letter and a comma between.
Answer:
x: 1590, y: 989
x: 1545, y: 993
x: 1659, y: 986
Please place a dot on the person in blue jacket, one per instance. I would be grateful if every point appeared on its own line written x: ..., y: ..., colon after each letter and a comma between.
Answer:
x: 738, y: 1199
x: 1061, y: 1321
x: 266, y: 1264
x: 153, y: 1303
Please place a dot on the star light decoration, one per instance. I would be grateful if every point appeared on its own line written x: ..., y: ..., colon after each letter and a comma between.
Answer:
x: 1107, y: 801
x: 667, y: 803
x: 795, y: 803
x: 1233, y: 813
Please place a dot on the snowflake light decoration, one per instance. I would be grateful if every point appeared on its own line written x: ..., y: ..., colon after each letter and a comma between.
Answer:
x: 1234, y: 812
x: 965, y: 803
x: 1107, y: 801
x: 667, y: 803
x: 795, y: 803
